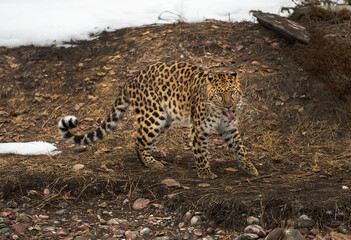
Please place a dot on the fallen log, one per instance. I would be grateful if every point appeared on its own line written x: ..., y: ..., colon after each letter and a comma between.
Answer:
x: 283, y: 26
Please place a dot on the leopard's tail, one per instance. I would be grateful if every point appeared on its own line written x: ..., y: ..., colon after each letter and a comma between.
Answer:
x: 118, y: 109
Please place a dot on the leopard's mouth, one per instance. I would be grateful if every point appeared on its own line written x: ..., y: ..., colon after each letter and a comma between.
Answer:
x: 230, y: 114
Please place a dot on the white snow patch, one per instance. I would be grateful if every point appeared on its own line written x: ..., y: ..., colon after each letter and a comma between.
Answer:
x: 47, y: 22
x: 29, y: 148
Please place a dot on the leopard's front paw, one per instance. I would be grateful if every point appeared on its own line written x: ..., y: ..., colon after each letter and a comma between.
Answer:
x: 251, y: 170
x: 206, y: 174
x: 153, y: 164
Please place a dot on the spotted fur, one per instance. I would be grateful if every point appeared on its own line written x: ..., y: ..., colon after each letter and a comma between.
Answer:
x: 179, y: 91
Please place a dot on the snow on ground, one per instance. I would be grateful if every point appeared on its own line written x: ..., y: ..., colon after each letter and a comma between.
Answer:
x: 32, y: 148
x: 47, y: 22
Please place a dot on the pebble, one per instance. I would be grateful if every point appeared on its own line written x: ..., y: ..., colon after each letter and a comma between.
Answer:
x: 162, y: 238
x: 195, y: 220
x: 116, y: 221
x: 43, y: 216
x: 171, y: 182
x: 187, y: 216
x: 62, y: 232
x: 253, y: 221
x: 343, y: 229
x: 247, y: 236
x: 78, y: 167
x: 145, y: 231
x: 62, y: 211
x: 292, y: 234
x: 305, y: 222
x: 131, y: 235
x: 140, y: 203
x: 19, y: 228
x: 198, y: 232
x: 49, y: 229
x: 256, y: 229
x: 276, y: 234
x: 4, y: 230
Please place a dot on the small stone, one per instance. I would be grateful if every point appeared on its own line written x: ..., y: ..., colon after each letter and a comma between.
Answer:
x: 4, y: 230
x: 305, y: 222
x: 62, y: 232
x: 102, y: 221
x: 343, y: 229
x: 275, y: 234
x: 12, y: 204
x: 82, y: 238
x: 328, y: 212
x: 43, y: 216
x: 162, y: 238
x: 46, y: 192
x: 19, y: 228
x: 314, y: 231
x: 207, y: 238
x: 103, y: 205
x: 220, y: 232
x: 125, y: 201
x: 198, y: 232
x: 292, y: 234
x: 78, y: 167
x: 187, y: 216
x: 171, y: 182
x: 181, y: 224
x: 140, y: 203
x: 204, y: 185
x: 194, y: 220
x: 253, y: 220
x: 145, y: 231
x: 256, y: 229
x: 48, y: 229
x: 62, y: 211
x: 209, y: 230
x: 247, y: 236
x: 130, y: 235
x: 24, y: 217
x: 116, y: 221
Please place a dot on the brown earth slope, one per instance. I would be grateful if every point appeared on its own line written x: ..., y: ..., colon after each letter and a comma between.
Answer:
x: 291, y: 125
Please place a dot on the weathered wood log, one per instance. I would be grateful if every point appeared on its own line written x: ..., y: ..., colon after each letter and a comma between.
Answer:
x: 283, y: 26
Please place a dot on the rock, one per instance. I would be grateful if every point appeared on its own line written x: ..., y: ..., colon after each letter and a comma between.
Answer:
x: 195, y: 220
x: 24, y: 217
x: 140, y: 203
x: 62, y: 211
x: 256, y: 229
x: 171, y: 182
x: 102, y: 221
x: 62, y: 232
x: 343, y: 229
x: 82, y: 238
x: 145, y: 231
x: 48, y: 229
x: 46, y: 192
x: 305, y: 222
x: 187, y: 216
x: 162, y: 238
x: 43, y: 216
x: 116, y: 221
x: 19, y: 228
x: 276, y: 234
x: 78, y: 167
x: 292, y: 234
x: 207, y: 238
x: 12, y: 204
x: 209, y: 230
x: 4, y: 230
x: 197, y: 232
x: 247, y: 236
x: 253, y: 221
x: 130, y: 235
x: 204, y: 185
x: 125, y: 201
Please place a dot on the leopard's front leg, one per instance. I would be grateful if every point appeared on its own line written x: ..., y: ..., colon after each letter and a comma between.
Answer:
x: 200, y: 148
x: 232, y: 138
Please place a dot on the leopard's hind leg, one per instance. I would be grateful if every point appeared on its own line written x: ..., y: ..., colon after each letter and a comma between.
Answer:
x: 151, y: 125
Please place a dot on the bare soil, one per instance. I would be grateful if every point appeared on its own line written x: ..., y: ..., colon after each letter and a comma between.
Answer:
x: 293, y: 127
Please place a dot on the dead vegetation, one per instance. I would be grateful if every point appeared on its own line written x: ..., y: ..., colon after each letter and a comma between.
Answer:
x: 294, y: 129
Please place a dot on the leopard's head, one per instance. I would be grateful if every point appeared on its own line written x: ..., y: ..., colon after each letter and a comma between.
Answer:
x: 225, y: 92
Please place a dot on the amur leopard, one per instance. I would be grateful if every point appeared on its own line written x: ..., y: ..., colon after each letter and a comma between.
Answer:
x: 178, y: 91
